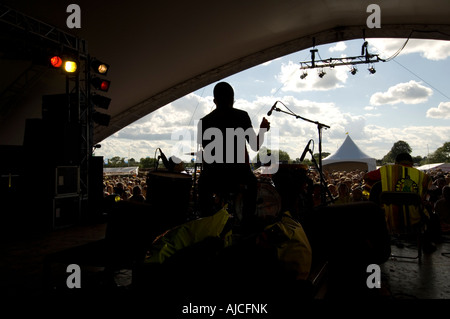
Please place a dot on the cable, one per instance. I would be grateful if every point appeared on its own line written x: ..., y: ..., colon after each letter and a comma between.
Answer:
x: 448, y: 98
x: 399, y: 50
x: 276, y: 92
x: 286, y: 107
x: 195, y: 110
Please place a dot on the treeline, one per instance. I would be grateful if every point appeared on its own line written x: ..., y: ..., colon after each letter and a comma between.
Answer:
x: 440, y: 155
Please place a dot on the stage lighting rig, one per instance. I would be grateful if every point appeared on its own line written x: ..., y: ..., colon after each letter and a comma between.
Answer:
x: 66, y: 64
x: 100, y: 68
x: 100, y: 101
x: 364, y: 58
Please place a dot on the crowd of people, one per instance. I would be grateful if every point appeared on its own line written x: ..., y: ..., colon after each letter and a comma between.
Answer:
x: 344, y: 186
x: 127, y: 187
x: 350, y: 186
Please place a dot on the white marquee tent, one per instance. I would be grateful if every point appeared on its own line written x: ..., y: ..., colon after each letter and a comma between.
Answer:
x: 445, y: 167
x: 128, y: 170
x: 349, y: 157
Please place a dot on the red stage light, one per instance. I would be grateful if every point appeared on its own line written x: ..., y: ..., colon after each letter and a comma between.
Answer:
x: 100, y: 84
x: 104, y: 86
x: 56, y: 61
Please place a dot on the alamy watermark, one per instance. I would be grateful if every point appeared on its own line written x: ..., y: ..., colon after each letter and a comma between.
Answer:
x: 374, y: 279
x: 74, y: 19
x: 374, y: 19
x: 214, y: 151
x: 74, y: 279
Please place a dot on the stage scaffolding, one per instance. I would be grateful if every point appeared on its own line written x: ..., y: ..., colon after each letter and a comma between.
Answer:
x: 34, y: 40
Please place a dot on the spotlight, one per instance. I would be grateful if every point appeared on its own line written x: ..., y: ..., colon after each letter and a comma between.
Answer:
x: 304, y: 75
x: 101, y: 118
x: 70, y: 66
x: 100, y: 67
x: 67, y: 64
x: 353, y: 70
x: 100, y: 101
x: 56, y: 61
x: 100, y: 84
x: 372, y: 70
x: 321, y: 73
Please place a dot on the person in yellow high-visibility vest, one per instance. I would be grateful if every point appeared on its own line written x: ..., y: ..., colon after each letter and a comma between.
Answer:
x: 401, y: 177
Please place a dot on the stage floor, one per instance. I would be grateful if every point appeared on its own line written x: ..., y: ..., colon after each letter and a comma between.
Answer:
x: 23, y: 258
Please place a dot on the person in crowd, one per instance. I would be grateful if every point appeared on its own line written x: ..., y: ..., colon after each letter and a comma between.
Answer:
x: 442, y: 209
x: 403, y: 177
x: 357, y: 194
x: 344, y: 196
x: 137, y: 195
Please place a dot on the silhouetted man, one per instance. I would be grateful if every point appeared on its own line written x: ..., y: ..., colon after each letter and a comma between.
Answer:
x: 224, y: 134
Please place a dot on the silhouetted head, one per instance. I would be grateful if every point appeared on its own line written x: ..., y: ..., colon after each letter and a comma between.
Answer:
x: 446, y: 192
x: 404, y: 159
x: 223, y: 95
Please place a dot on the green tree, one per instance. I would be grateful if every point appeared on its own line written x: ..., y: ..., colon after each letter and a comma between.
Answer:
x: 308, y: 161
x: 264, y: 151
x: 397, y: 148
x: 132, y: 162
x: 116, y: 161
x: 441, y: 155
x: 147, y: 162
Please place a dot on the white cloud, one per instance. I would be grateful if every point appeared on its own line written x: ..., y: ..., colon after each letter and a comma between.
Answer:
x: 410, y: 92
x: 440, y: 112
x: 339, y: 46
x: 290, y: 73
x: 430, y: 49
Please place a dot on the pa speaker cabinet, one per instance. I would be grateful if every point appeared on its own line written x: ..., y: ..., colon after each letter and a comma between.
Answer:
x: 66, y: 211
x: 67, y: 180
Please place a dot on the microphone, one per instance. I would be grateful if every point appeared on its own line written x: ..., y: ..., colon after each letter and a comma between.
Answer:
x: 271, y: 110
x: 304, y: 152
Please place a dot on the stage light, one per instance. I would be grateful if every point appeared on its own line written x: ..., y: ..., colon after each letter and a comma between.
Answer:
x: 70, y: 66
x: 321, y: 73
x: 100, y: 101
x: 353, y: 70
x: 101, y: 118
x: 100, y: 84
x: 100, y: 67
x: 56, y: 61
x: 372, y: 70
x: 304, y: 75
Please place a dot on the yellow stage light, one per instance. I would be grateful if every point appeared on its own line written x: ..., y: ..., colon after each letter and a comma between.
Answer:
x: 70, y: 66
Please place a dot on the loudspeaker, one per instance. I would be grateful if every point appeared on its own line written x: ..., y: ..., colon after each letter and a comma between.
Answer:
x: 66, y: 211
x: 60, y: 108
x: 52, y: 143
x: 95, y: 192
x: 67, y: 180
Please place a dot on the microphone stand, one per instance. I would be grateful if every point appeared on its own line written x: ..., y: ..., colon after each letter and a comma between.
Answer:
x: 320, y: 126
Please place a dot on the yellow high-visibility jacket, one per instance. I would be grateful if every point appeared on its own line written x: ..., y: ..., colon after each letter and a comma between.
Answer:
x: 399, y: 178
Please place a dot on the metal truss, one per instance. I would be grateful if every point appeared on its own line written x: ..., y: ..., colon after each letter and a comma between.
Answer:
x: 333, y: 62
x: 364, y: 58
x: 40, y: 37
x: 43, y: 30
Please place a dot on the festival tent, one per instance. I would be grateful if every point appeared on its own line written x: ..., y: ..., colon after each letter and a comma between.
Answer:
x: 129, y: 170
x: 349, y: 157
x: 445, y: 167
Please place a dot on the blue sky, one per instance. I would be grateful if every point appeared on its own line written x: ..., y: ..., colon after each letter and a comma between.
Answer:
x: 406, y: 99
